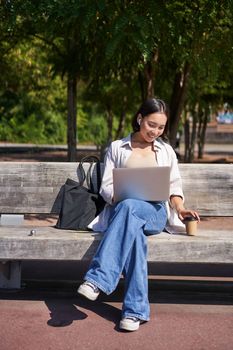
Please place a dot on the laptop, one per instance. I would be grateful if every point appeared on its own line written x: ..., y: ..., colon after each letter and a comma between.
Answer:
x: 149, y: 184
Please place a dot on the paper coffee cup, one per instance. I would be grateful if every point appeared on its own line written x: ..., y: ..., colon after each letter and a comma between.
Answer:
x: 191, y: 225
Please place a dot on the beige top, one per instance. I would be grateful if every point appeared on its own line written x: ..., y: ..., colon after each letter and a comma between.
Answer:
x: 141, y: 159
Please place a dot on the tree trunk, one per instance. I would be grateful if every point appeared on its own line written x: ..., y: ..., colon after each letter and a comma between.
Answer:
x: 203, y: 120
x: 149, y: 71
x: 109, y: 123
x: 120, y: 130
x: 72, y: 115
x: 146, y: 78
x: 105, y: 146
x: 121, y: 124
x: 141, y: 84
x: 180, y: 87
x: 186, y: 139
x: 193, y: 137
x: 190, y: 137
x: 149, y: 75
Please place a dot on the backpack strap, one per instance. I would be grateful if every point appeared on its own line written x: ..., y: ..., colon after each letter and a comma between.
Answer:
x: 86, y: 175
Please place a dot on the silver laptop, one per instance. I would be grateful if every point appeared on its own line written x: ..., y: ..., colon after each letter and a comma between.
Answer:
x: 149, y: 184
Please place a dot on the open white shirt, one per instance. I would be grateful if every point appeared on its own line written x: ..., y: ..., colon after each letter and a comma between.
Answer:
x: 117, y: 157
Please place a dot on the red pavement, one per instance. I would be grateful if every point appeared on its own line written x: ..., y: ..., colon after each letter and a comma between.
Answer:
x: 180, y: 321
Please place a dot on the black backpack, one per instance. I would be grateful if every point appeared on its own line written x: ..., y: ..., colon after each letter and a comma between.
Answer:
x: 80, y: 204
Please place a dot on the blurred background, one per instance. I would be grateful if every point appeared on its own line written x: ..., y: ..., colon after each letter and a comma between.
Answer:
x: 73, y: 73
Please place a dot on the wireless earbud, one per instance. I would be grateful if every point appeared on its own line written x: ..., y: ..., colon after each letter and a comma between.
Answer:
x: 139, y: 121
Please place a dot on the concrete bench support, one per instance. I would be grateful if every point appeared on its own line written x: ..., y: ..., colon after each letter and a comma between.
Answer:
x: 10, y: 274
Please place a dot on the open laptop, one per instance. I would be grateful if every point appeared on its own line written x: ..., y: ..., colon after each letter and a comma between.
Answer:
x: 149, y: 184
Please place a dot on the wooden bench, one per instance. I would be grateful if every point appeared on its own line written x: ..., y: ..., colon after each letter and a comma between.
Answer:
x: 32, y: 188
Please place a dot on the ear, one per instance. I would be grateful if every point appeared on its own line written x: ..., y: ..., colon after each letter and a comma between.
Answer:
x: 139, y: 119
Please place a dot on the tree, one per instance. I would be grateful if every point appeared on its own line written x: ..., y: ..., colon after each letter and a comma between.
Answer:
x: 121, y: 52
x: 210, y: 73
x: 67, y: 31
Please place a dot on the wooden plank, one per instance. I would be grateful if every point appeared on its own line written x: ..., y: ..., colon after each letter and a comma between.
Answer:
x: 208, y: 188
x: 51, y: 244
x: 33, y: 187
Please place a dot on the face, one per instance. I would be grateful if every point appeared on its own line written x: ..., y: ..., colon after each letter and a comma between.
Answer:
x: 152, y: 126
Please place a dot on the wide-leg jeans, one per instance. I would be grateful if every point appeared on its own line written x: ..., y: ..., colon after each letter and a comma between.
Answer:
x: 123, y: 250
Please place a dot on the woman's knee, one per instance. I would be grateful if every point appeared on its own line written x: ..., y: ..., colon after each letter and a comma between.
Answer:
x: 129, y: 203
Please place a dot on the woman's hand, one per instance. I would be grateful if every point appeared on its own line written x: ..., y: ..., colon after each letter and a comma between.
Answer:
x: 182, y: 213
x: 177, y: 203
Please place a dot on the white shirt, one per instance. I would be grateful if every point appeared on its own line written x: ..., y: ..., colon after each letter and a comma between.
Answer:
x: 117, y: 157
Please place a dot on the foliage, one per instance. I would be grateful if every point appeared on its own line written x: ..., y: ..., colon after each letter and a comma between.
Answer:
x: 31, y: 102
x: 114, y: 49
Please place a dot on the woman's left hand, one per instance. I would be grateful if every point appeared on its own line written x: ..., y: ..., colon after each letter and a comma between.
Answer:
x: 177, y: 203
x: 182, y: 213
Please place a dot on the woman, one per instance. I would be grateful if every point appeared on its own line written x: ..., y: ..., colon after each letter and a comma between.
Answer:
x: 126, y: 224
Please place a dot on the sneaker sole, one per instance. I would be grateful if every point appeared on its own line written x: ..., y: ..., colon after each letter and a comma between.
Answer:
x: 129, y: 326
x: 87, y: 294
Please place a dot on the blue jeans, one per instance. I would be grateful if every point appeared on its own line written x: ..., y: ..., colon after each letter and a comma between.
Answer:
x: 123, y: 250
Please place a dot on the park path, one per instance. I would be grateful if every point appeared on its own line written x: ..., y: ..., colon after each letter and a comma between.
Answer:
x: 47, y: 320
x: 220, y: 153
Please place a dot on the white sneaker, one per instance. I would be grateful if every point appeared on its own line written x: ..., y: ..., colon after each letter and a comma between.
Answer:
x: 130, y: 323
x: 89, y: 290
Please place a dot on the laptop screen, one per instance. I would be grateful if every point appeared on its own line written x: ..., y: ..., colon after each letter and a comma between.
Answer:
x: 149, y: 184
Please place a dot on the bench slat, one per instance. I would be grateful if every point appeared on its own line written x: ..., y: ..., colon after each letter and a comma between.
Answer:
x: 32, y: 187
x: 209, y: 246
x: 208, y: 188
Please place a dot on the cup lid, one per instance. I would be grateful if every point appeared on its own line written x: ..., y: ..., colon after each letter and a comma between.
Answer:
x: 190, y: 218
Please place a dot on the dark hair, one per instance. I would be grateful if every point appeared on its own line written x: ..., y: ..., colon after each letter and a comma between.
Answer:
x: 152, y: 105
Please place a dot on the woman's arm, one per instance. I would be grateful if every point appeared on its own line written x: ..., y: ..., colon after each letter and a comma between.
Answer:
x: 178, y: 204
x: 176, y: 192
x: 106, y: 189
